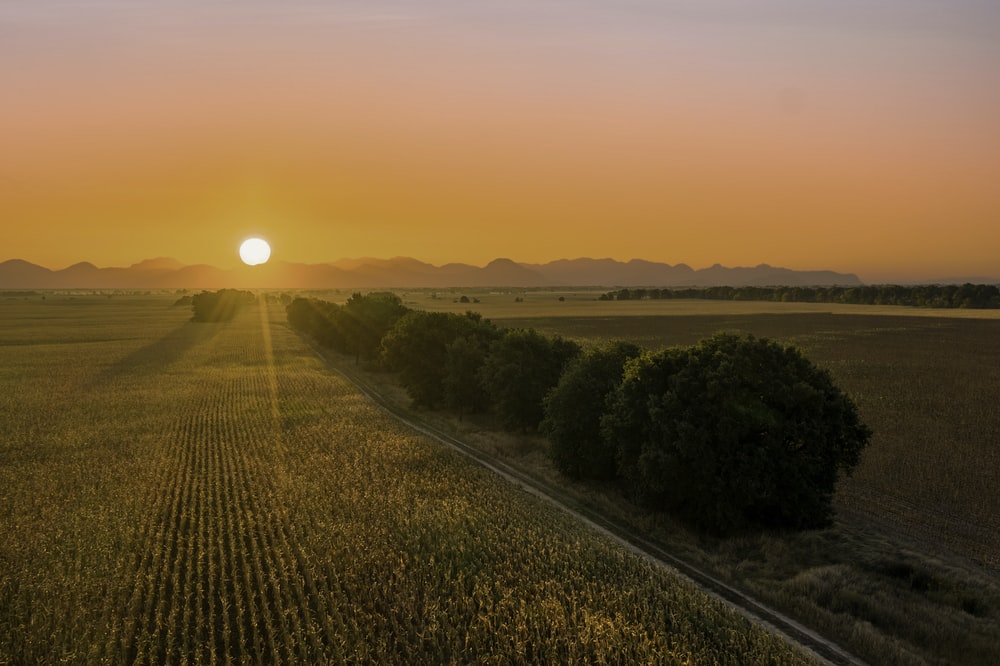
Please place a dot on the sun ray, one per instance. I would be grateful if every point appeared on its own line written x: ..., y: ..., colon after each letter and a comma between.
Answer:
x: 269, y: 365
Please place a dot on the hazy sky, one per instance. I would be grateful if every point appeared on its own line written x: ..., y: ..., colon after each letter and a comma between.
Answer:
x: 854, y: 135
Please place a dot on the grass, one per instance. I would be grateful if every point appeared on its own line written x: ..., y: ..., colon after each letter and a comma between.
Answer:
x: 212, y: 493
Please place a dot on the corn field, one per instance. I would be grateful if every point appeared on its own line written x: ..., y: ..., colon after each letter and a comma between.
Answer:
x: 174, y: 492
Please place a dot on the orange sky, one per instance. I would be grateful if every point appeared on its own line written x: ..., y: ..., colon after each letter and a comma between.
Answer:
x: 841, y: 137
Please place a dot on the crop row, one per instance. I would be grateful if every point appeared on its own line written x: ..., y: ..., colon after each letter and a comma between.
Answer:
x: 217, y: 578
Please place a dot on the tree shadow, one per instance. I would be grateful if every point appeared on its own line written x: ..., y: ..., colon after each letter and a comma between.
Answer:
x: 159, y: 354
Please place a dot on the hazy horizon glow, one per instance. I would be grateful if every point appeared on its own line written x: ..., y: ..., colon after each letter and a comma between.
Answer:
x: 852, y: 136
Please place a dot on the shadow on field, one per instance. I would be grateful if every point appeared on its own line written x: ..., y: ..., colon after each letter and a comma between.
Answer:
x: 157, y: 355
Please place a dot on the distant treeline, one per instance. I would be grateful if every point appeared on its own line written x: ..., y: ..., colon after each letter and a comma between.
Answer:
x: 733, y: 432
x: 981, y: 296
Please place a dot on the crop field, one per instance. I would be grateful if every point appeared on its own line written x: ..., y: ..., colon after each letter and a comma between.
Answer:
x: 173, y: 492
x: 911, y: 571
x: 925, y: 379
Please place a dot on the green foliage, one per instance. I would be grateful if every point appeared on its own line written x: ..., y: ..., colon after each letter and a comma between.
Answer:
x: 369, y: 317
x: 416, y: 347
x: 222, y: 305
x: 463, y: 390
x: 304, y: 314
x: 734, y: 431
x: 573, y: 411
x: 325, y: 322
x: 520, y: 369
x: 419, y: 345
x: 357, y: 327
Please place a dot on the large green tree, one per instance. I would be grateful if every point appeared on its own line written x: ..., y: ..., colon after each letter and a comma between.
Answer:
x: 519, y: 370
x: 734, y: 431
x: 366, y: 318
x: 573, y: 411
x: 418, y: 347
x: 463, y: 388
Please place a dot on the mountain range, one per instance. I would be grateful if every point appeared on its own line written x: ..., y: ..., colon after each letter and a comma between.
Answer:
x: 405, y: 272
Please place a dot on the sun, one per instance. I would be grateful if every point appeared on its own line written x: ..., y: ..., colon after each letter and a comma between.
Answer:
x: 255, y: 251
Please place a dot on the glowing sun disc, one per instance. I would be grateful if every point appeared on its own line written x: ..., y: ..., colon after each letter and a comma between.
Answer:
x: 255, y: 251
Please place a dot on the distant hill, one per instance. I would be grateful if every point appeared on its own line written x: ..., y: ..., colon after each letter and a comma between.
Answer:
x: 640, y: 273
x: 406, y: 272
x: 158, y: 264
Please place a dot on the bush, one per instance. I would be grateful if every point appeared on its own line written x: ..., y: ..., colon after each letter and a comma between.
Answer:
x: 734, y: 431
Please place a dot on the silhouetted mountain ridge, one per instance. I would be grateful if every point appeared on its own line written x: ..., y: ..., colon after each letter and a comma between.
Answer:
x: 158, y: 264
x: 406, y: 272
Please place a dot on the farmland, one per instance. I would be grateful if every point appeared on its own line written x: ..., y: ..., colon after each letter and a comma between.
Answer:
x: 927, y: 386
x: 173, y: 492
x: 909, y: 571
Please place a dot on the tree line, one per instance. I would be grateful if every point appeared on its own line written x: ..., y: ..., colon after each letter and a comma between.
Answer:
x: 733, y: 432
x: 460, y: 362
x: 980, y: 296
